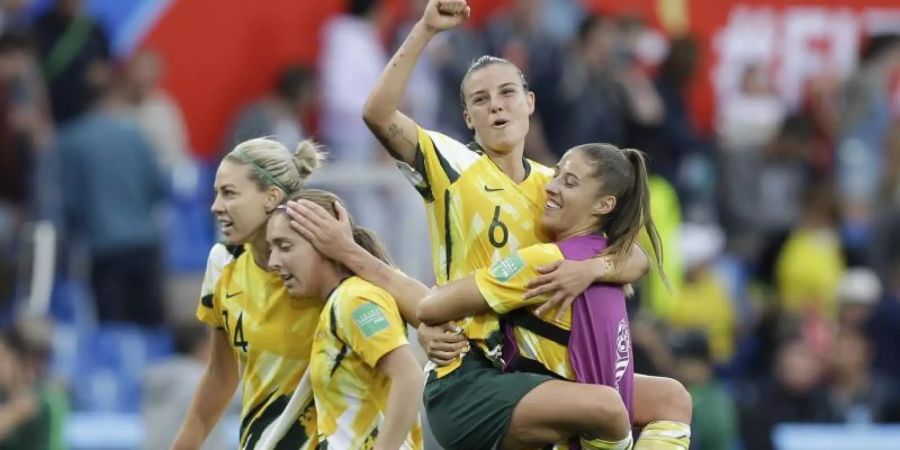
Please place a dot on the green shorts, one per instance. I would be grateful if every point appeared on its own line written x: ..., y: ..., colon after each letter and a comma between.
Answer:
x: 471, y: 408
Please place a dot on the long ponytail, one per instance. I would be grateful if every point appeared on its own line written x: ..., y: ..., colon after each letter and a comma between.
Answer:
x: 623, y: 174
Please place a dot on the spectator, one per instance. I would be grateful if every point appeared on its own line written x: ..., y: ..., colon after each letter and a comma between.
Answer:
x: 703, y: 301
x: 111, y: 184
x: 351, y: 40
x: 883, y: 325
x: 858, y: 292
x: 811, y: 261
x: 30, y: 415
x: 13, y: 15
x: 856, y: 394
x: 155, y: 112
x: 68, y: 42
x: 715, y: 424
x: 281, y: 113
x: 792, y: 394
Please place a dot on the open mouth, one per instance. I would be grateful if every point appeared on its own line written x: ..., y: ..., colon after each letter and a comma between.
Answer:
x: 500, y: 123
x: 551, y: 204
x: 285, y: 276
x: 225, y: 225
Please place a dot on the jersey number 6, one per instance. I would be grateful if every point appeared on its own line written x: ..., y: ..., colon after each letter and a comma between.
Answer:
x: 492, y: 230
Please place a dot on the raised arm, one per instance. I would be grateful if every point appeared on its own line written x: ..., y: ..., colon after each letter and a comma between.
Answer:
x: 397, y: 132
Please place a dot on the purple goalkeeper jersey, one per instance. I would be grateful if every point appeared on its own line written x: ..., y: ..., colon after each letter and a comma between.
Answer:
x: 600, y: 339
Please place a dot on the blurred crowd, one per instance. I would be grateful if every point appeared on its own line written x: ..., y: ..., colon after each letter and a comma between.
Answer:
x: 779, y: 223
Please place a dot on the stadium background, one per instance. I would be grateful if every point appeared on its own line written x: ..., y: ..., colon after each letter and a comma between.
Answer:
x: 784, y: 319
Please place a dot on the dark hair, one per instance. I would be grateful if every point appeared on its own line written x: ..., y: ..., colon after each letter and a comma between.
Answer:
x: 623, y: 174
x: 361, y: 8
x: 878, y: 45
x: 480, y: 63
x: 364, y: 237
x: 11, y: 42
x: 292, y: 80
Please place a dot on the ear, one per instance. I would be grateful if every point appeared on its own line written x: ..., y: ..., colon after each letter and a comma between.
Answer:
x: 530, y: 101
x: 274, y: 196
x: 468, y: 120
x: 604, y: 205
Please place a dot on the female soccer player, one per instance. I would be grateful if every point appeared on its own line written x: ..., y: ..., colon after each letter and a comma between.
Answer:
x: 485, y: 200
x: 599, y: 190
x: 254, y: 320
x: 365, y: 378
x: 261, y: 339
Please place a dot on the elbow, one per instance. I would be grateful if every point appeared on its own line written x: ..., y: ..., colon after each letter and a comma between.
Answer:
x: 373, y: 115
x: 426, y: 311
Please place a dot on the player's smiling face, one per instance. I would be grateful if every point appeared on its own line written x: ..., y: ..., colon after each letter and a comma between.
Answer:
x: 293, y: 258
x: 498, y: 106
x: 239, y: 207
x: 573, y: 205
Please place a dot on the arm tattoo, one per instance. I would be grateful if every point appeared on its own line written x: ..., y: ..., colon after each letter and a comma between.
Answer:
x: 396, y: 132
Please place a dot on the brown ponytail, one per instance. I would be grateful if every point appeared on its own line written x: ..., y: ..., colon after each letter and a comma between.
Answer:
x: 623, y: 174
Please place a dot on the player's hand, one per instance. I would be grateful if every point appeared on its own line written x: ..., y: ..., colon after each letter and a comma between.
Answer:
x: 442, y: 15
x: 331, y: 237
x: 563, y: 281
x: 442, y: 343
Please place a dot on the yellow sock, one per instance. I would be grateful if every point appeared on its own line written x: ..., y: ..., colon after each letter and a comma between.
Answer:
x: 664, y: 435
x: 600, y: 444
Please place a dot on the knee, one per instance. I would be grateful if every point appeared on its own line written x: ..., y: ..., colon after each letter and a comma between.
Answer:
x: 606, y: 413
x: 677, y: 400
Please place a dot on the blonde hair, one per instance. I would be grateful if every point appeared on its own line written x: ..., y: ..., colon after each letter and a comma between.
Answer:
x: 273, y: 165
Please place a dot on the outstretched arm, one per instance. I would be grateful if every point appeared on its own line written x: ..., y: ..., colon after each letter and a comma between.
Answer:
x: 397, y: 132
x: 334, y: 239
x: 452, y: 301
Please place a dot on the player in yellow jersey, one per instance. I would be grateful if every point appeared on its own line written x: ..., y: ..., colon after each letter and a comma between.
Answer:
x: 247, y: 307
x: 599, y: 190
x: 365, y: 378
x: 475, y: 222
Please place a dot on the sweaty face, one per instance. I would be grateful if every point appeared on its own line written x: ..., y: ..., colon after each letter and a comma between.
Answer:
x: 573, y: 202
x: 498, y: 107
x: 239, y: 207
x: 293, y: 258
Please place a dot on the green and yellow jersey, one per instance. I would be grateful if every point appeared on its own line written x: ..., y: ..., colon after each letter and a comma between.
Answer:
x: 359, y: 325
x: 503, y: 286
x: 477, y: 216
x: 272, y: 336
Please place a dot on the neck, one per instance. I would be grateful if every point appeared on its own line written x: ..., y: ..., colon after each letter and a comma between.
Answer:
x: 578, y: 230
x: 510, y: 163
x: 331, y: 277
x: 260, y: 249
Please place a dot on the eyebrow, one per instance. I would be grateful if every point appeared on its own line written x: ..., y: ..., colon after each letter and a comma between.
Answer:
x: 484, y: 91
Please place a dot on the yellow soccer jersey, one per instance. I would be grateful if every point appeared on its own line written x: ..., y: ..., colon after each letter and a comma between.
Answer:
x: 503, y: 286
x: 359, y: 325
x: 477, y: 216
x: 271, y: 335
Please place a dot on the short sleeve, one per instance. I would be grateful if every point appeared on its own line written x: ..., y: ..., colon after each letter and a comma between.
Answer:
x: 504, y: 284
x: 371, y: 326
x: 219, y: 256
x: 440, y: 160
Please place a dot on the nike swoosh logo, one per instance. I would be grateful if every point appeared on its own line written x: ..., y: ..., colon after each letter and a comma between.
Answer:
x: 487, y: 189
x: 227, y: 295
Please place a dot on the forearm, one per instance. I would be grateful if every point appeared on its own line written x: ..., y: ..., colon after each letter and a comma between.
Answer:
x: 406, y: 290
x: 385, y: 99
x: 213, y: 394
x: 402, y: 409
x: 635, y: 265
